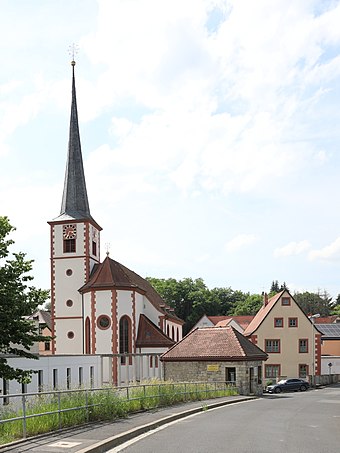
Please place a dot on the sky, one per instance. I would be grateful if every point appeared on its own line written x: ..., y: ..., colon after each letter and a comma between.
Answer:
x: 210, y: 134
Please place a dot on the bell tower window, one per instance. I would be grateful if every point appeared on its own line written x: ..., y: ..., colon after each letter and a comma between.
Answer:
x: 69, y: 236
x: 69, y: 245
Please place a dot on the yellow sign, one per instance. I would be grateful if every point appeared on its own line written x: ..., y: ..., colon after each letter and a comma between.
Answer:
x: 213, y: 367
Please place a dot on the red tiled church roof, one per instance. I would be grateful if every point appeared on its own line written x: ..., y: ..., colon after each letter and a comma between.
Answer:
x: 212, y: 343
x: 112, y: 275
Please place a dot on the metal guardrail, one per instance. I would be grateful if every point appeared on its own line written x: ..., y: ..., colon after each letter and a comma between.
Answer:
x: 19, y: 403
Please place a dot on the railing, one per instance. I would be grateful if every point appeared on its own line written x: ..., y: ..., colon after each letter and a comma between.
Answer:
x: 64, y: 408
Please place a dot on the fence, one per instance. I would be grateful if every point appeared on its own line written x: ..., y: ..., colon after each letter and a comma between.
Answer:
x: 60, y: 409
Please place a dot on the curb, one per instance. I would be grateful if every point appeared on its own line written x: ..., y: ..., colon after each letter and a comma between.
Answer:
x: 119, y: 439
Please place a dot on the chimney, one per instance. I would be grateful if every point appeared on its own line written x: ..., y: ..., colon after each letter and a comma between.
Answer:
x: 265, y: 299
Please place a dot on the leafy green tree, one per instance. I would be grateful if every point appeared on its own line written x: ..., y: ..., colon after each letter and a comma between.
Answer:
x: 249, y: 306
x: 312, y: 303
x: 189, y: 298
x: 336, y: 306
x: 17, y: 301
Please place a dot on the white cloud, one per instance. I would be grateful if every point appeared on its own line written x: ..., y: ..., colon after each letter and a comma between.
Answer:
x: 240, y: 241
x: 330, y: 252
x: 293, y: 248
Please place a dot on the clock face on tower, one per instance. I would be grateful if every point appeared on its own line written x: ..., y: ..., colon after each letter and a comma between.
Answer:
x: 69, y: 231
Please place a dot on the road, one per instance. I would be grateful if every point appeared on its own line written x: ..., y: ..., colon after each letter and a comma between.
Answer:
x: 307, y: 422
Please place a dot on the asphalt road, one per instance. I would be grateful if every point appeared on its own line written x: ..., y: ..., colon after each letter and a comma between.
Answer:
x: 307, y: 422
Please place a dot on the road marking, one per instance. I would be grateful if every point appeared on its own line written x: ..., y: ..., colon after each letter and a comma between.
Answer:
x: 64, y: 444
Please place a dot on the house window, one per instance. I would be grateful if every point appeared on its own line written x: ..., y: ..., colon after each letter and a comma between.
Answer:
x: 293, y: 322
x: 47, y: 346
x: 303, y: 345
x: 272, y: 371
x: 272, y: 346
x: 69, y: 245
x: 278, y: 322
x: 94, y: 248
x: 285, y: 301
x: 303, y: 371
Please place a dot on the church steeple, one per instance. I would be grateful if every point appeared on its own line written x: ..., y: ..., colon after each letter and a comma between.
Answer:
x: 75, y: 203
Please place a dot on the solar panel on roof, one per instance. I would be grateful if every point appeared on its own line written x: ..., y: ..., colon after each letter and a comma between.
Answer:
x: 330, y: 330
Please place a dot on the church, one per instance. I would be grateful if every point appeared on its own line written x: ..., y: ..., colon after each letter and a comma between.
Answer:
x: 98, y: 307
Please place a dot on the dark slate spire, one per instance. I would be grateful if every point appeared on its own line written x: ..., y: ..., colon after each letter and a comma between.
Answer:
x: 75, y: 203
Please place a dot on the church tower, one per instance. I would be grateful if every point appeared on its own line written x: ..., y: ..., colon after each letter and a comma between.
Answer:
x: 75, y: 248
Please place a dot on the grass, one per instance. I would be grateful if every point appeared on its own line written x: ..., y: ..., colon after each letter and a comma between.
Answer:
x: 83, y: 406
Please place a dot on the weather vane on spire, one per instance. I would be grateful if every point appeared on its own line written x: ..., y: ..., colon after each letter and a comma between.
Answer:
x: 107, y: 245
x: 73, y: 50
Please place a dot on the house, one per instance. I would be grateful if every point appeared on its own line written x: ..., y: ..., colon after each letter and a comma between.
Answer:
x: 238, y: 322
x: 291, y: 340
x: 43, y: 319
x: 332, y: 319
x: 98, y: 307
x: 330, y: 340
x: 216, y: 354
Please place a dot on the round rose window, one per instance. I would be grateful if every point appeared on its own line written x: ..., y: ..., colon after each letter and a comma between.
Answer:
x: 103, y: 322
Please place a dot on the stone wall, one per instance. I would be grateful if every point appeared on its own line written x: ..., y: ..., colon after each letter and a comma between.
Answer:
x: 209, y: 371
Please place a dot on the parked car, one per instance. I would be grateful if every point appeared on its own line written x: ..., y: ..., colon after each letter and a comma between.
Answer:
x: 288, y: 385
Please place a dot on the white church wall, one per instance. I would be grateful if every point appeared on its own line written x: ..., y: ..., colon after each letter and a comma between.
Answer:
x: 150, y: 311
x: 124, y: 303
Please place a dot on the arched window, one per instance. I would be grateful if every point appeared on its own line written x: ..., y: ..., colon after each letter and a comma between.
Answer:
x: 87, y: 336
x: 125, y: 340
x: 177, y: 334
x: 168, y: 330
x: 173, y: 333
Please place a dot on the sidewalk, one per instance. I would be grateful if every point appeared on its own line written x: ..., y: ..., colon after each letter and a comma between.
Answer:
x: 100, y: 437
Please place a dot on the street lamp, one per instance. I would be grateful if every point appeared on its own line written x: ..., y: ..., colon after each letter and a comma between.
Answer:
x: 312, y: 318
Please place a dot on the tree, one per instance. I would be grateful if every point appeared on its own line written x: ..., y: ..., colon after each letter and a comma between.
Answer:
x: 275, y: 288
x: 189, y: 298
x: 17, y: 301
x: 336, y: 306
x: 312, y: 303
x: 249, y: 306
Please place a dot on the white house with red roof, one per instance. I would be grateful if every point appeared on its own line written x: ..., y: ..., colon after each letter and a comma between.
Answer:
x: 240, y: 323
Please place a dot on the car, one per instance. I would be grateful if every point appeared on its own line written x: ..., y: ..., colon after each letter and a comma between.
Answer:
x: 288, y: 385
